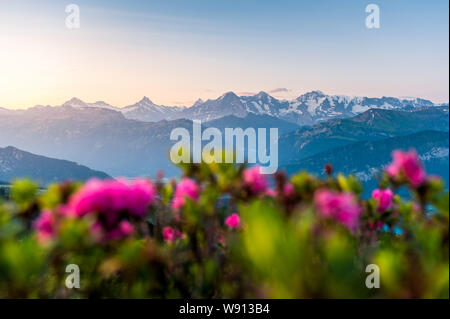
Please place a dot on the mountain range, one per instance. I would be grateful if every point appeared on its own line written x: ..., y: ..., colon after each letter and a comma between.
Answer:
x: 15, y: 163
x: 130, y: 142
x: 307, y: 109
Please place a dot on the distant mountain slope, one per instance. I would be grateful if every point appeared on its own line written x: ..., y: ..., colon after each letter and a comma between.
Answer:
x: 105, y: 140
x: 15, y: 163
x: 365, y: 159
x: 3, y: 110
x: 98, y: 138
x: 371, y: 125
x: 254, y: 121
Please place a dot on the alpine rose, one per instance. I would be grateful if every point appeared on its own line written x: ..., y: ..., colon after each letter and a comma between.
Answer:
x: 384, y: 198
x: 256, y: 181
x: 186, y: 189
x: 407, y: 164
x: 340, y: 206
x: 233, y: 221
x: 270, y: 193
x: 170, y: 234
x: 112, y: 202
x: 288, y: 190
x: 110, y: 197
x: 45, y: 226
x: 122, y: 230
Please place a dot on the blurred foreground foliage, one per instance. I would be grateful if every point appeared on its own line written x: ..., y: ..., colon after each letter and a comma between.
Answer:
x: 279, y: 244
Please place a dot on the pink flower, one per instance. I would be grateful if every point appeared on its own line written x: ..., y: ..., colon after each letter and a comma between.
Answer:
x: 384, y: 198
x: 45, y: 226
x: 186, y: 189
x: 233, y: 221
x: 408, y: 164
x: 126, y: 228
x: 375, y: 226
x: 270, y: 193
x: 123, y: 229
x: 288, y: 190
x: 143, y: 193
x: 256, y: 181
x: 112, y: 202
x: 170, y: 234
x: 340, y: 206
x: 111, y: 197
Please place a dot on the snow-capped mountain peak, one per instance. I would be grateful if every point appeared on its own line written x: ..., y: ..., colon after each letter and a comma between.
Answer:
x: 262, y: 95
x: 146, y: 101
x: 76, y: 103
x: 146, y: 110
x: 314, y: 93
x: 198, y: 102
x: 228, y: 96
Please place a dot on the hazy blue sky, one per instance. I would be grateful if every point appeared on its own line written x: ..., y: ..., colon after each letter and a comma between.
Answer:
x: 175, y: 51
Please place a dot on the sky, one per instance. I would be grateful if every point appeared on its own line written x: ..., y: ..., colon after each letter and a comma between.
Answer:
x: 176, y: 51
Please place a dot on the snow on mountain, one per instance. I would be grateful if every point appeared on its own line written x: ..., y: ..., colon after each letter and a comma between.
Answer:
x: 307, y: 109
x: 147, y: 111
x: 76, y: 103
x: 198, y: 102
x: 322, y: 107
x: 227, y: 104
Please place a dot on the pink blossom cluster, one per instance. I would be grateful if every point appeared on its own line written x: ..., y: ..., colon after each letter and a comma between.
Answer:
x: 341, y: 206
x: 186, y: 189
x: 288, y: 190
x: 407, y: 164
x: 171, y: 234
x: 114, y: 203
x: 384, y: 198
x: 233, y: 221
x: 112, y: 197
x: 45, y: 226
x: 255, y: 181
